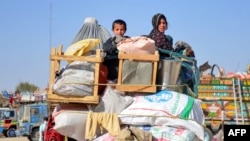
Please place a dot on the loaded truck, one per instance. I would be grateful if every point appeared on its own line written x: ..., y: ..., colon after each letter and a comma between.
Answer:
x: 152, y: 86
x: 226, y: 100
x: 223, y: 100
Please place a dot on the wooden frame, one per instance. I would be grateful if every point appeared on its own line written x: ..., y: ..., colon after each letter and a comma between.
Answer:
x: 154, y: 58
x: 55, y: 60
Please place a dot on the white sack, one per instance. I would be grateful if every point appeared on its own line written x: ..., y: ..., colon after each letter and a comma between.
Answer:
x: 76, y: 79
x: 165, y: 108
x: 166, y: 103
x: 169, y: 133
x: 71, y: 124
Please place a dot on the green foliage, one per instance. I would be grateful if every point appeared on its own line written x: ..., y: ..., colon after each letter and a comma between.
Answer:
x: 26, y: 86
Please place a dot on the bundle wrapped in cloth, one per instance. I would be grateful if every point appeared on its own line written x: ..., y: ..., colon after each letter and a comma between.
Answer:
x: 137, y: 45
x: 76, y: 79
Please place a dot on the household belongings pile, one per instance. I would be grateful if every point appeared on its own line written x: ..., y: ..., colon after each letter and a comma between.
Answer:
x: 163, y: 115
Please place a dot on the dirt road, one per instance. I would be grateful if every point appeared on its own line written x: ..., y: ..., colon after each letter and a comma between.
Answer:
x: 15, y: 139
x: 3, y: 138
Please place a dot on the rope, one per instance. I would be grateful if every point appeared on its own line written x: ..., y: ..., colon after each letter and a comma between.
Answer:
x: 190, y: 92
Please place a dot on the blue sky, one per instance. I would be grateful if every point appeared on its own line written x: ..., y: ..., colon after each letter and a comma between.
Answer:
x: 217, y: 30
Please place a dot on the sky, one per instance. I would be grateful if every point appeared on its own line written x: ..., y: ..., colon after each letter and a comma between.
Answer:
x: 217, y: 30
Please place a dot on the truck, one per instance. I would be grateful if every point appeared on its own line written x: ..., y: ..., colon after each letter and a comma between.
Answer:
x: 8, y: 115
x: 30, y: 118
x: 8, y: 123
x: 2, y: 109
x: 57, y: 57
x: 224, y: 100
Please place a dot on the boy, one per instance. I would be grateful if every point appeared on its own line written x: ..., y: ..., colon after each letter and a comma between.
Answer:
x: 119, y: 28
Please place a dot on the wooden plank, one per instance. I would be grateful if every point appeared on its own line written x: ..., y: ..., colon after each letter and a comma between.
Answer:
x: 143, y: 57
x: 94, y: 59
x: 154, y: 74
x: 119, y: 80
x: 96, y: 77
x: 52, y: 72
x: 52, y: 97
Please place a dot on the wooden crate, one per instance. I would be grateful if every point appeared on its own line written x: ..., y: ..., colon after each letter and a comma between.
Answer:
x: 56, y: 59
x: 154, y: 58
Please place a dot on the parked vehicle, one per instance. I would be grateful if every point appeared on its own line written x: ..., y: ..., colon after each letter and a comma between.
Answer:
x: 149, y: 87
x: 1, y: 118
x: 31, y: 117
x: 8, y: 123
x: 225, y: 101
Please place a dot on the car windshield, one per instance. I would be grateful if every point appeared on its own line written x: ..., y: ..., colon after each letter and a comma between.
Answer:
x: 8, y: 114
x: 24, y: 113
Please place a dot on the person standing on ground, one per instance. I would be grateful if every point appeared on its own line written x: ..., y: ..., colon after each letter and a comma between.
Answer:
x: 42, y: 128
x: 160, y: 25
x: 119, y: 27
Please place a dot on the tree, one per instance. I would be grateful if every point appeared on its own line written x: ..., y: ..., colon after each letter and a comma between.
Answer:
x: 26, y: 86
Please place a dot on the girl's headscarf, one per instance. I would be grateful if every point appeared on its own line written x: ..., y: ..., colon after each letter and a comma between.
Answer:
x: 156, y: 19
x: 161, y: 40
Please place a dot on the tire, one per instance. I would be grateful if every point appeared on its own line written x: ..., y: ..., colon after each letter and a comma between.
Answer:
x: 35, y: 134
x: 208, y: 135
x: 11, y: 132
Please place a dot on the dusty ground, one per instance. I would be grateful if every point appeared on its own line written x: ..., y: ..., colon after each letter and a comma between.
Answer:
x: 3, y: 138
x: 14, y: 139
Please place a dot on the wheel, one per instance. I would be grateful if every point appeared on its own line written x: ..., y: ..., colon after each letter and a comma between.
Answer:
x: 208, y: 135
x: 35, y: 134
x: 11, y: 132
